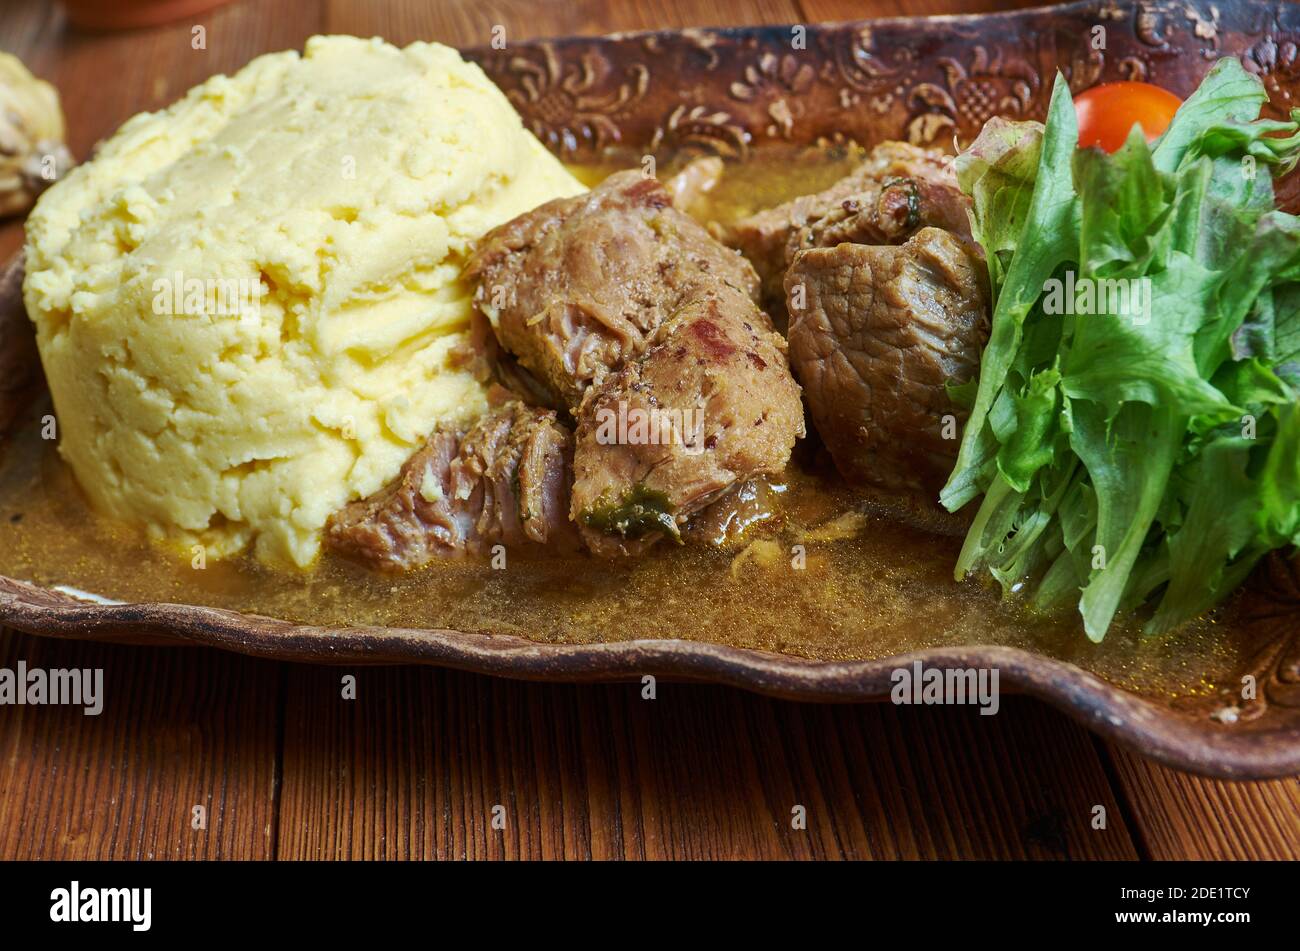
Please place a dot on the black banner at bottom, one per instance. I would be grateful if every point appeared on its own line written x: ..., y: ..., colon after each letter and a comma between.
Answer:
x: 927, y: 900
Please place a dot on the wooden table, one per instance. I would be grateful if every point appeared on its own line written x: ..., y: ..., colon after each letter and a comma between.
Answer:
x: 414, y: 767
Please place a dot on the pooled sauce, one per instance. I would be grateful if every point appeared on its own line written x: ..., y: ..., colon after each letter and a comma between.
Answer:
x: 820, y: 581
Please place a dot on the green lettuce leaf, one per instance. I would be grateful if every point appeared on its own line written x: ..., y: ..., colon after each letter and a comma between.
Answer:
x: 1134, y: 434
x: 1047, y: 211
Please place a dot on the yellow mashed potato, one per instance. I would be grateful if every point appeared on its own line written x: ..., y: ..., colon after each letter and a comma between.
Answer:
x: 248, y: 305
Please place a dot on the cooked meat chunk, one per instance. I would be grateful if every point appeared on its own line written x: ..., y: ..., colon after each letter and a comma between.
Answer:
x: 716, y: 405
x: 875, y: 333
x: 889, y: 215
x: 493, y: 364
x: 895, y: 191
x: 632, y: 312
x: 505, y: 481
x: 577, y: 286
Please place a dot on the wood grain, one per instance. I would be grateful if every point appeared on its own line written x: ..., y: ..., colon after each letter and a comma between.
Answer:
x: 1188, y: 817
x: 178, y: 729
x: 413, y: 767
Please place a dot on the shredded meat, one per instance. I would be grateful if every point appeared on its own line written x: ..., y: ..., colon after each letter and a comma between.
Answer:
x: 504, y: 481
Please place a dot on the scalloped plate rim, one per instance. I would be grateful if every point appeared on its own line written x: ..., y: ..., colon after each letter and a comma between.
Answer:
x: 1164, y: 735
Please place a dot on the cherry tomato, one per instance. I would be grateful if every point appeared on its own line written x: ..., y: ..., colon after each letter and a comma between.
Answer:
x: 1108, y: 112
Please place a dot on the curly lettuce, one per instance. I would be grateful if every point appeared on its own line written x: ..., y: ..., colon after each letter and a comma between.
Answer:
x: 1134, y: 436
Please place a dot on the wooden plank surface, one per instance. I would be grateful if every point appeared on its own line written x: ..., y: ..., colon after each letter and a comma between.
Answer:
x: 1187, y: 817
x: 414, y: 766
x: 178, y: 729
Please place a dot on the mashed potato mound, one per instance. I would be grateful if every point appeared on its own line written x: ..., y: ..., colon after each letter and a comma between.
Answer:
x: 249, y: 305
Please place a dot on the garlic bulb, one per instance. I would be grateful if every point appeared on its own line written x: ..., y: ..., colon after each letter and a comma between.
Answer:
x: 32, y: 153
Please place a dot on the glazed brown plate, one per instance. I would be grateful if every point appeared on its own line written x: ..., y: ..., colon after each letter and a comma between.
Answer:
x: 744, y: 94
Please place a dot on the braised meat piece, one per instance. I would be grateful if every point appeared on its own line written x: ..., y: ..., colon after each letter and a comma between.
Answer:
x: 631, y: 311
x: 505, y: 481
x: 886, y: 215
x: 716, y: 405
x: 875, y: 333
x: 578, y: 285
x: 898, y: 189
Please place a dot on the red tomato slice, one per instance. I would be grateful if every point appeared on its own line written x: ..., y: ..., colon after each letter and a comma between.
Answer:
x: 1108, y: 112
